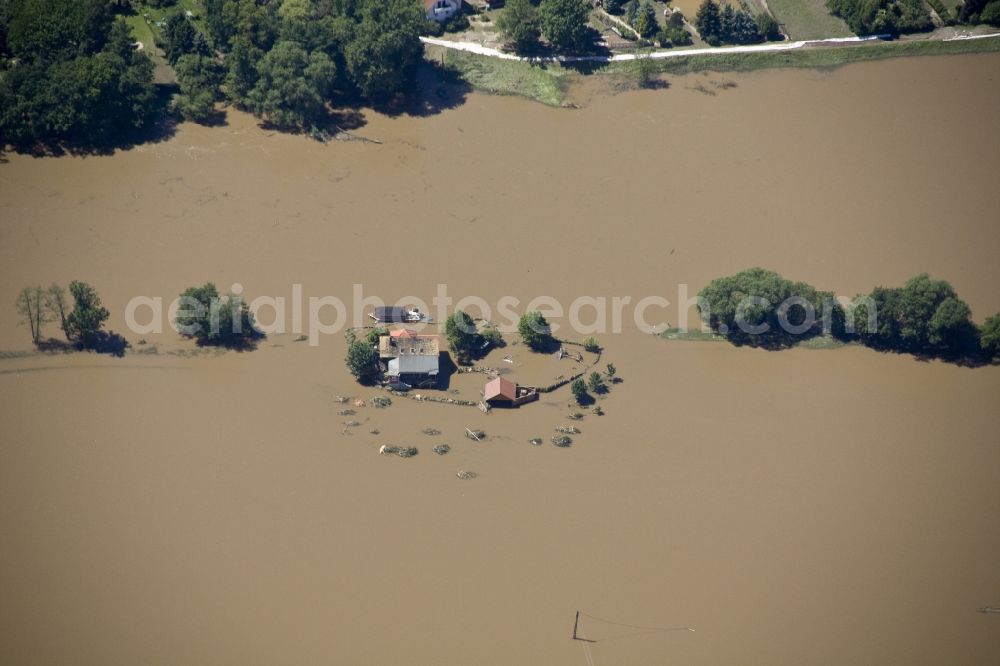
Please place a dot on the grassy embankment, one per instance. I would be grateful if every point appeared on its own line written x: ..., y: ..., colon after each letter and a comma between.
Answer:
x: 544, y: 83
x: 547, y: 83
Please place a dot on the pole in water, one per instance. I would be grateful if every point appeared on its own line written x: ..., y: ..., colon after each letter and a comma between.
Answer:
x: 576, y: 626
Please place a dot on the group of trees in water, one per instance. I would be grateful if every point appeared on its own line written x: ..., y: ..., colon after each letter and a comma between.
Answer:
x: 203, y: 315
x: 82, y: 324
x: 924, y: 317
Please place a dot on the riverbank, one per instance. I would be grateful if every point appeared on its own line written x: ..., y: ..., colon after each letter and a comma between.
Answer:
x: 547, y: 81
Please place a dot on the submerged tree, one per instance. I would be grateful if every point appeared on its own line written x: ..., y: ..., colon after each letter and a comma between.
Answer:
x: 199, y: 77
x: 362, y: 360
x: 216, y: 320
x: 31, y: 311
x: 990, y: 337
x: 84, y: 322
x: 460, y: 331
x: 535, y: 331
x: 292, y: 86
x: 57, y: 305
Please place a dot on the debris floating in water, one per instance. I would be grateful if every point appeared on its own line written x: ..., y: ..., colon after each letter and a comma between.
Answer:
x: 441, y: 449
x: 569, y: 430
x: 476, y: 435
x: 346, y: 412
x: 465, y: 475
x: 381, y: 401
x: 401, y: 451
x: 576, y: 416
x: 537, y: 441
x: 339, y: 398
x: 562, y: 441
x: 631, y: 630
x: 431, y: 431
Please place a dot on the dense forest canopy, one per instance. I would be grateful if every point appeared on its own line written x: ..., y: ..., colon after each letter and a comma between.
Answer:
x: 71, y: 73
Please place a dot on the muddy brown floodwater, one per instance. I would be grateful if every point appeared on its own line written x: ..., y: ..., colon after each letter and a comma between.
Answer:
x: 802, y: 507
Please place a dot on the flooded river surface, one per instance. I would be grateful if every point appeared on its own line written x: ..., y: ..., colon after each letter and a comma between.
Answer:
x: 797, y: 507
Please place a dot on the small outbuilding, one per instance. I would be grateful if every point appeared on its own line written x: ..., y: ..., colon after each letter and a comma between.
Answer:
x: 502, y: 392
x: 442, y: 10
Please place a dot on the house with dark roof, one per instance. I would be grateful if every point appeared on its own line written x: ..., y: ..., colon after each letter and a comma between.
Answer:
x: 502, y: 392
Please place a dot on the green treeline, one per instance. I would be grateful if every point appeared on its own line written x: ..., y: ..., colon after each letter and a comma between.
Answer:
x: 69, y: 73
x: 893, y: 17
x: 924, y: 317
x: 287, y: 62
x: 882, y: 17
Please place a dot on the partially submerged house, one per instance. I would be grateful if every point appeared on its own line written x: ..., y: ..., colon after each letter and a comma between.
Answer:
x: 410, y: 358
x: 501, y: 392
x: 442, y: 10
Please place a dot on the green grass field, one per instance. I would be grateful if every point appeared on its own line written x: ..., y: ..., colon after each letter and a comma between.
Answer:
x: 543, y: 83
x: 807, y: 19
x: 141, y: 30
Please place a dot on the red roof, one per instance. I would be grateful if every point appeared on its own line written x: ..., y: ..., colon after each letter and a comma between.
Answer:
x: 500, y: 388
x: 403, y: 332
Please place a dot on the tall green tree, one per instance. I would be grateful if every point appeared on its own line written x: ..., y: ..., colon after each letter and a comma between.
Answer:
x: 645, y: 22
x: 49, y: 30
x: 241, y: 70
x: 362, y: 361
x: 709, y: 22
x: 990, y: 336
x: 535, y: 331
x: 292, y: 86
x: 460, y: 331
x: 519, y: 26
x: 180, y: 37
x: 213, y: 319
x: 199, y: 77
x: 761, y: 308
x: 84, y: 322
x: 383, y: 55
x: 564, y: 24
